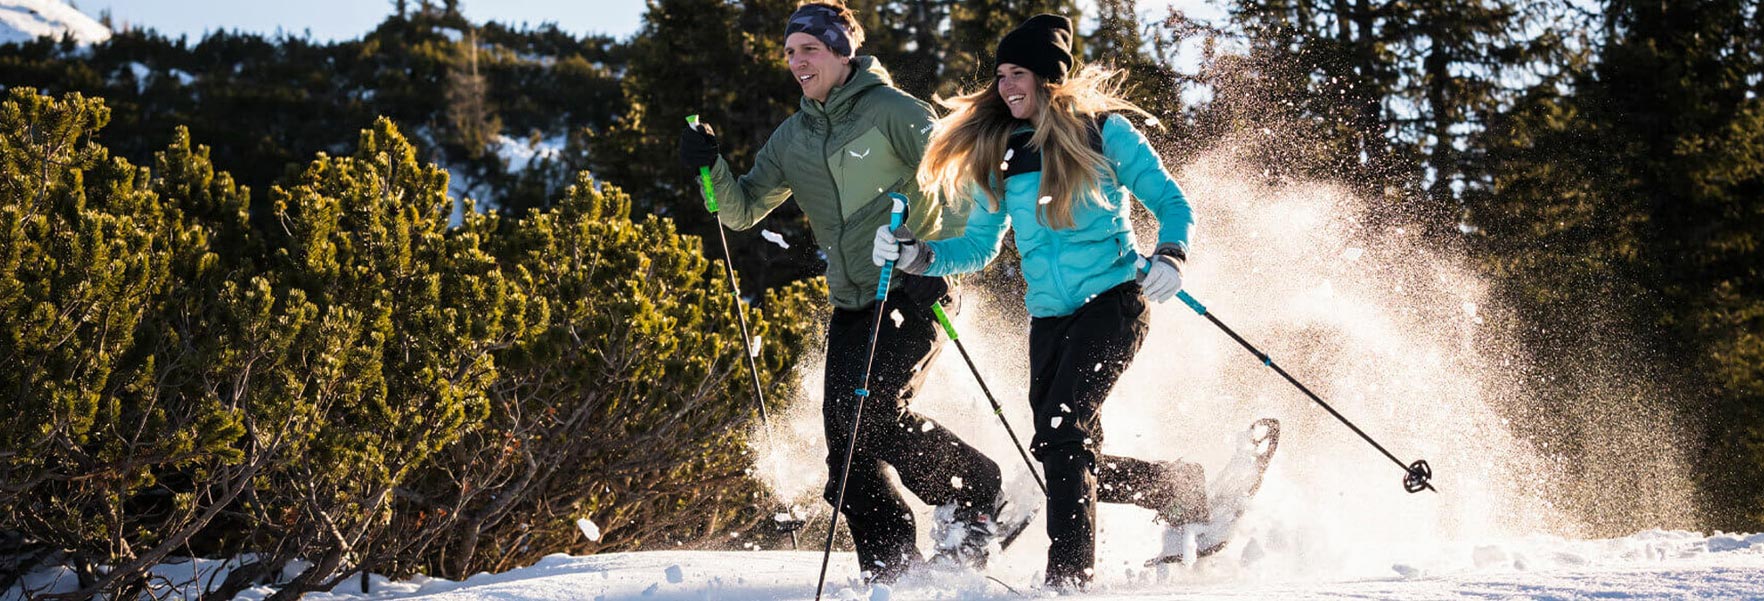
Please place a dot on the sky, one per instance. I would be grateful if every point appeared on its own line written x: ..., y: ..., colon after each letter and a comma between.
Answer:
x: 348, y: 19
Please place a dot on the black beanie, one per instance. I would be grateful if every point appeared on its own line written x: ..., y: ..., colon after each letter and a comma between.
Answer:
x: 1043, y: 45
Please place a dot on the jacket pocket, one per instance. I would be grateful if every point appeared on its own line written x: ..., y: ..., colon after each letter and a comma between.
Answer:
x: 864, y: 169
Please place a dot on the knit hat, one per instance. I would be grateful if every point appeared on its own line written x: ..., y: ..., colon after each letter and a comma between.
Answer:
x: 1043, y: 45
x: 823, y: 23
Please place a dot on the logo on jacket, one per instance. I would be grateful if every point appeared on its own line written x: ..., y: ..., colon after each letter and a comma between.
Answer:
x: 854, y: 154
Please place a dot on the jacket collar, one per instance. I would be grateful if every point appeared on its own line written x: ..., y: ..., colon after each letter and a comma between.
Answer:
x: 867, y: 72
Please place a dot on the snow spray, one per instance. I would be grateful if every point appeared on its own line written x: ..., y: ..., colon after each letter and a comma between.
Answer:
x: 1401, y: 336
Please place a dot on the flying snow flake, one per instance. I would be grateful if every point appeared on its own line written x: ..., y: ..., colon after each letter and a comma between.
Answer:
x: 897, y: 317
x: 1064, y: 408
x: 1044, y: 200
x: 1010, y: 152
x: 1353, y: 254
x: 1097, y: 368
x: 1004, y: 165
x: 927, y: 427
x: 1151, y: 122
x: 589, y: 529
x: 756, y: 345
x: 1055, y: 422
x: 775, y: 238
x: 956, y: 482
x: 1470, y: 309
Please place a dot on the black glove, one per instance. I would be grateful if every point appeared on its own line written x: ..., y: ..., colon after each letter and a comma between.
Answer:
x: 922, y: 291
x: 698, y: 147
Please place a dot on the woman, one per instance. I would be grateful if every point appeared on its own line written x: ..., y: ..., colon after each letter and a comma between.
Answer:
x: 855, y: 139
x: 1042, y: 151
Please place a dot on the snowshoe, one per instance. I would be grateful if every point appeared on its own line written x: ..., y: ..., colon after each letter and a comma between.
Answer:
x: 967, y: 537
x: 1229, y: 497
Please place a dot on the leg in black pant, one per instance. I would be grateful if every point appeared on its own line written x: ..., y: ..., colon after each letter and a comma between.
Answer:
x: 1075, y: 361
x: 929, y: 458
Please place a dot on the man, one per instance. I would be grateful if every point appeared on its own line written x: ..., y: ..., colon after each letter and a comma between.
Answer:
x: 856, y: 139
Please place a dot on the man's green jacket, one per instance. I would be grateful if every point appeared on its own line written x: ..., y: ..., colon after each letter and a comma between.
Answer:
x: 840, y: 159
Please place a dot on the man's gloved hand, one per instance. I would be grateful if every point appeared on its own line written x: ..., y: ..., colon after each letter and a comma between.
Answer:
x: 899, y: 246
x: 698, y: 147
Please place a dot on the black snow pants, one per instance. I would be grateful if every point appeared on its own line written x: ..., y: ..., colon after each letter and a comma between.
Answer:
x: 1074, y: 361
x: 938, y: 467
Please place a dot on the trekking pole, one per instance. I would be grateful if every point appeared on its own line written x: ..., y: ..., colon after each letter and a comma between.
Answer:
x: 1417, y: 474
x: 949, y: 328
x: 759, y: 397
x: 863, y: 392
x: 710, y: 203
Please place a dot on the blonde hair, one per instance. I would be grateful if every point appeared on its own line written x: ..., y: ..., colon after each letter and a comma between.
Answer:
x: 967, y: 146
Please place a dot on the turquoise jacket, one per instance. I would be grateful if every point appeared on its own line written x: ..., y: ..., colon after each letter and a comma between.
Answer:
x: 1065, y: 268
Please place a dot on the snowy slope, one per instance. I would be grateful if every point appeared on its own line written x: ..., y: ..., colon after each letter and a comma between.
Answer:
x: 26, y: 20
x: 1656, y: 564
x: 1649, y: 565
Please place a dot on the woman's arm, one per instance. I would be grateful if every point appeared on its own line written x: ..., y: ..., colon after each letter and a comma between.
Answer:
x: 1141, y: 170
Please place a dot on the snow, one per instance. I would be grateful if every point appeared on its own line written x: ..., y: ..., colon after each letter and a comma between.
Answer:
x: 1646, y: 565
x: 1641, y: 566
x: 27, y: 20
x: 775, y: 238
x: 589, y: 529
x: 520, y: 153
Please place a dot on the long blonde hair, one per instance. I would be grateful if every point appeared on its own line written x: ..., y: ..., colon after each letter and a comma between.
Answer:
x: 967, y: 146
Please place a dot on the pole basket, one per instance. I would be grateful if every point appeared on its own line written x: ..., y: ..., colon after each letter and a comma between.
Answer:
x: 1419, y: 475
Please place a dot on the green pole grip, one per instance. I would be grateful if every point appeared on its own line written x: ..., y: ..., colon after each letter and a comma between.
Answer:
x: 943, y: 318
x: 704, y: 178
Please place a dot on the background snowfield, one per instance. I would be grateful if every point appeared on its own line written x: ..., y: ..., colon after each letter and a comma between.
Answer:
x: 26, y: 20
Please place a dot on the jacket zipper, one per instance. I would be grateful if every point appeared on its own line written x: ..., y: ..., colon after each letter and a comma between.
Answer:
x: 838, y: 206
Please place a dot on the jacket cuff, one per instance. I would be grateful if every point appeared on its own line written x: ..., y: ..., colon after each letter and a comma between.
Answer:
x: 921, y: 260
x: 1172, y: 254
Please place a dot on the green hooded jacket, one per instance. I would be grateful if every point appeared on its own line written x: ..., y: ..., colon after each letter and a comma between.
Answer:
x: 841, y: 159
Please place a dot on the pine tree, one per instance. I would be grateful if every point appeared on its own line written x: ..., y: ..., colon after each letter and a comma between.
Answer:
x: 1385, y: 92
x: 366, y: 239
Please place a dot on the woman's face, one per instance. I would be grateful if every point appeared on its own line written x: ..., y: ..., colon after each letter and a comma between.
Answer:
x: 1016, y: 86
x: 816, y: 68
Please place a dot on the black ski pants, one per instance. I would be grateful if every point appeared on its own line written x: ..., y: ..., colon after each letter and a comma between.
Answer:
x: 938, y: 467
x: 1074, y: 361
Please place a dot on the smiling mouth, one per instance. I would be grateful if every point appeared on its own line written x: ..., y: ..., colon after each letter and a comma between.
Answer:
x: 804, y: 78
x: 1014, y: 99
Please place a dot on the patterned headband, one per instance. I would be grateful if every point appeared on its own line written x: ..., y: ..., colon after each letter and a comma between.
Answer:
x: 823, y: 23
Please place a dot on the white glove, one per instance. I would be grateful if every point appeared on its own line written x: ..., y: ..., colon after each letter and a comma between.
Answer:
x: 889, y: 247
x: 1163, y: 281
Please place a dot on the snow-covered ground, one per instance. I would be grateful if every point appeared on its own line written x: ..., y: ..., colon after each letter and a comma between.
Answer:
x: 1656, y: 564
x: 26, y: 20
x: 1650, y: 565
